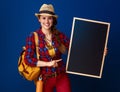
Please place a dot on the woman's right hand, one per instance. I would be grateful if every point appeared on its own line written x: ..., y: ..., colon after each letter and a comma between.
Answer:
x: 53, y: 63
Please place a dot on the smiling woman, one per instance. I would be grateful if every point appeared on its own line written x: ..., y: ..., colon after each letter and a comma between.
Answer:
x: 52, y: 44
x: 17, y: 20
x: 46, y: 22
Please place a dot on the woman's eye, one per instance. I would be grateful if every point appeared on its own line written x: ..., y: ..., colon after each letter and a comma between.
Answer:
x: 50, y: 18
x: 44, y: 18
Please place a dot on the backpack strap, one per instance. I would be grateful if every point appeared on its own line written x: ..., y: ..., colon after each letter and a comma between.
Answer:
x: 36, y: 44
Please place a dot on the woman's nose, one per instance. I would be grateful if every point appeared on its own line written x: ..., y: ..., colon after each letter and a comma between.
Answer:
x: 47, y: 20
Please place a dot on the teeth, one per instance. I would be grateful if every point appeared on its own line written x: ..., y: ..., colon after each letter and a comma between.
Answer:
x: 47, y: 25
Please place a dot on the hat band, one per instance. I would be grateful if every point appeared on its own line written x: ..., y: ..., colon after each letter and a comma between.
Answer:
x: 48, y: 12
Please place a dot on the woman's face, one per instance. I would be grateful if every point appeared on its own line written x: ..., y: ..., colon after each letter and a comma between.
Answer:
x: 46, y: 22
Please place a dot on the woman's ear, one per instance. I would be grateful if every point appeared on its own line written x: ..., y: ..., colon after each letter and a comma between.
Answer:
x: 38, y: 18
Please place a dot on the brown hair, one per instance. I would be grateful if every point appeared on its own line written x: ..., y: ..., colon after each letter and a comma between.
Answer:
x: 56, y: 32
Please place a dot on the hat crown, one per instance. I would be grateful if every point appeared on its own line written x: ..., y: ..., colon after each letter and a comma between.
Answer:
x: 46, y: 7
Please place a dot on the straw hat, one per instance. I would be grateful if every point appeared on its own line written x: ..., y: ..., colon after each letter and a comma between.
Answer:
x: 46, y: 9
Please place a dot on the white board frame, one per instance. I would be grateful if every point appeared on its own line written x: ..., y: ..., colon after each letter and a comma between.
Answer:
x: 71, y: 40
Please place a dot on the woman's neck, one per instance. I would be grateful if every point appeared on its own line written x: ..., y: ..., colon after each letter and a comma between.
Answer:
x: 48, y: 35
x: 46, y: 32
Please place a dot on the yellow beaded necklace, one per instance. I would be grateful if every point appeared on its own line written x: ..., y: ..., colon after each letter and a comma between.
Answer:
x: 50, y: 48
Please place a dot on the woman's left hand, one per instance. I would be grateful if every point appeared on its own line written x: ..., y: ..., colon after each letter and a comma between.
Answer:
x: 106, y: 51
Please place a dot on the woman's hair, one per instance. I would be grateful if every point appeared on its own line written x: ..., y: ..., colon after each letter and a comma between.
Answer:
x: 56, y: 32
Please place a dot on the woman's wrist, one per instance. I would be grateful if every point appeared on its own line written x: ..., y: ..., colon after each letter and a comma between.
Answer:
x: 37, y: 64
x: 42, y: 64
x: 47, y: 64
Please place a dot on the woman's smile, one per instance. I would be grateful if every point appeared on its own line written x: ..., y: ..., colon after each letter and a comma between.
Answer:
x: 46, y: 22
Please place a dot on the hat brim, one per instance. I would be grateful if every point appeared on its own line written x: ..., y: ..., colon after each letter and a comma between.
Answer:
x: 45, y: 14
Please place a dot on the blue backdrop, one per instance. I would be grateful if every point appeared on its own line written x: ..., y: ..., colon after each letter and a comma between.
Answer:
x: 17, y: 20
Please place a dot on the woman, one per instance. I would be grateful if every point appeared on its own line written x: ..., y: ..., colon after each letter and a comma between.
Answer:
x: 52, y: 44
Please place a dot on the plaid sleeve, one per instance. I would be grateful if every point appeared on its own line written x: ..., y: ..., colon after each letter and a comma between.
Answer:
x: 64, y: 40
x: 30, y: 58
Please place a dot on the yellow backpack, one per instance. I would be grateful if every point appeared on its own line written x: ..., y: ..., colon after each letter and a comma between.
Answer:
x: 28, y: 72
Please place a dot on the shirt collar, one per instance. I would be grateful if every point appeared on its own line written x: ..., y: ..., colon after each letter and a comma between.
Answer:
x: 42, y: 35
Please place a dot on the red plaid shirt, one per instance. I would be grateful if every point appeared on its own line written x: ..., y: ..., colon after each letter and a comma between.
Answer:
x: 30, y: 57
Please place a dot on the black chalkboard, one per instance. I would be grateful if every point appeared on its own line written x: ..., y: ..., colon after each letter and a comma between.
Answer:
x: 87, y: 45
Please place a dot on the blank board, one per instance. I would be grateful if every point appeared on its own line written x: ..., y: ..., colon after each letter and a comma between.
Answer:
x: 87, y: 45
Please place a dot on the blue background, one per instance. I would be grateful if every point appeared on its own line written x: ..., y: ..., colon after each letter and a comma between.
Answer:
x: 17, y: 20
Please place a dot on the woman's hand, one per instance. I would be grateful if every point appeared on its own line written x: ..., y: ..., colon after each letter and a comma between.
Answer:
x: 54, y: 63
x: 106, y: 51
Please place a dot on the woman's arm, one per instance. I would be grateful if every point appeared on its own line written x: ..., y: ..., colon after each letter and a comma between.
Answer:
x: 30, y: 51
x: 65, y: 40
x: 52, y: 63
